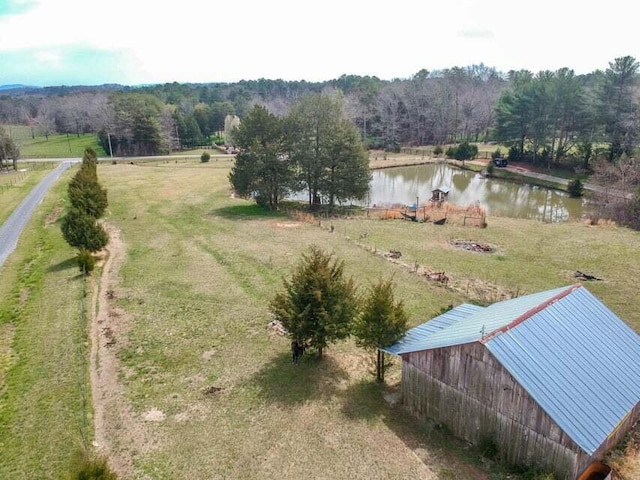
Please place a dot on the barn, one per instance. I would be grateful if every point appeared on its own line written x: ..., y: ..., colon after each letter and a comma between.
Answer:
x: 552, y: 378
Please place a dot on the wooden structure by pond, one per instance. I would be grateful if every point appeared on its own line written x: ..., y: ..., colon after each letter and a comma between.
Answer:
x: 440, y: 194
x: 552, y: 378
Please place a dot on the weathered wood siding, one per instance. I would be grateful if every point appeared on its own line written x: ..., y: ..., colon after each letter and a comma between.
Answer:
x: 467, y: 389
x: 612, y: 440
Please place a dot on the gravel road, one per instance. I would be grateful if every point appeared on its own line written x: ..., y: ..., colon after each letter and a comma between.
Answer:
x: 12, y: 228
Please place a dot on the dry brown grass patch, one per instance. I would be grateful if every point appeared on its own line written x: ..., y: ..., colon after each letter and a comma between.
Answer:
x: 625, y: 460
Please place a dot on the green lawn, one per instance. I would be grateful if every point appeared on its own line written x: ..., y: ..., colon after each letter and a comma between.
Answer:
x: 43, y: 352
x: 57, y: 146
x: 190, y: 312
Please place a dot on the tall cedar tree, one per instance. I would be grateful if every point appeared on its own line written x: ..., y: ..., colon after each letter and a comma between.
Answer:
x: 381, y: 323
x: 263, y: 169
x: 85, y: 192
x: 88, y: 202
x: 82, y: 231
x: 318, y: 303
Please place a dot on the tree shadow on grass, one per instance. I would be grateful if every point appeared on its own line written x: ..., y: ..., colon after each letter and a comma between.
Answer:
x: 250, y: 211
x: 434, y: 444
x: 63, y: 265
x: 287, y: 384
x: 364, y: 401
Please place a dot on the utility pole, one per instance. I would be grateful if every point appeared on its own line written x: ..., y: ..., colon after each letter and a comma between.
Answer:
x: 110, y: 149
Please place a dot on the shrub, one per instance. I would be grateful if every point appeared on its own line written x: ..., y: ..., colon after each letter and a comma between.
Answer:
x: 465, y: 151
x: 490, y: 169
x: 488, y: 447
x: 514, y: 153
x: 496, y: 154
x: 451, y: 152
x: 438, y: 150
x: 85, y: 467
x: 86, y: 262
x: 575, y: 188
x: 204, y: 158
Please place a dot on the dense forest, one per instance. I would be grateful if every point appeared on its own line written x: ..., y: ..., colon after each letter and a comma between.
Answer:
x: 545, y: 117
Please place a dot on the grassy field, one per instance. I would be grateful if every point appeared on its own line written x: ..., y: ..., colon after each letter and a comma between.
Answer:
x: 212, y: 391
x: 201, y: 267
x: 43, y: 362
x: 57, y: 146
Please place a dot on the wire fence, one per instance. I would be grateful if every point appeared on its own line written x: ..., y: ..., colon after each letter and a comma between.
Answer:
x: 14, y: 178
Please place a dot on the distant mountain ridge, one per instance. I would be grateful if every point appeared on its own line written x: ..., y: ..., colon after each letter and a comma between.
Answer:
x: 14, y: 86
x: 20, y: 89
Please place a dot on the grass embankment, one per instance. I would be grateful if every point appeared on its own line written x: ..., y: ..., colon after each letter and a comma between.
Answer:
x: 14, y: 186
x: 43, y: 359
x: 57, y: 146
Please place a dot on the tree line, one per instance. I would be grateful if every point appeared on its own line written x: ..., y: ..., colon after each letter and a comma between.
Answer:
x: 544, y: 116
x: 313, y: 149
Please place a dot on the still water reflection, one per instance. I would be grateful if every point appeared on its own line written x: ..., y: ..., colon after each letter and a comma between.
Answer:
x: 498, y: 197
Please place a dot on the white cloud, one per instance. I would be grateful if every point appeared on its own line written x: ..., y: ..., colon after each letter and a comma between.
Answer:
x: 196, y: 41
x: 49, y: 57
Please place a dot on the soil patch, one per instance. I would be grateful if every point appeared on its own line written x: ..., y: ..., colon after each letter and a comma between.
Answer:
x: 53, y: 217
x: 154, y: 415
x: 288, y: 224
x: 119, y: 434
x: 472, y: 246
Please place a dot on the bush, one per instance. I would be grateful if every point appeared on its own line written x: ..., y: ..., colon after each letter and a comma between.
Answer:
x: 85, y: 467
x: 488, y: 447
x: 496, y: 154
x: 514, y: 153
x: 465, y: 151
x: 86, y: 262
x: 451, y: 152
x: 490, y: 169
x: 204, y: 158
x: 575, y: 188
x: 438, y: 150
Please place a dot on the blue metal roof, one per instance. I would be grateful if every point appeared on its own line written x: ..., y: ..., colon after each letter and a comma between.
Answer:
x: 575, y: 357
x: 416, y: 337
x: 478, y: 322
x: 579, y: 362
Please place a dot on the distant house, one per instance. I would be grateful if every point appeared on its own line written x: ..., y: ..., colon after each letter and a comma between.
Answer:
x: 440, y: 194
x: 553, y: 378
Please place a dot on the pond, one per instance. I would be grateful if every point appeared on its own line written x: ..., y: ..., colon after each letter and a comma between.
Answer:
x: 403, y: 185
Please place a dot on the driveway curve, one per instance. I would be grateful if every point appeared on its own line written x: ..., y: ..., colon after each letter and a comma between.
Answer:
x: 12, y: 228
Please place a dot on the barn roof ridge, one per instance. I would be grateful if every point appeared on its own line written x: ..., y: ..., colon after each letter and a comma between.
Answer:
x: 529, y: 313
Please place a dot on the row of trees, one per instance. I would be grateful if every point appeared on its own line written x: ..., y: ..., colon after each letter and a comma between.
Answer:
x: 88, y: 202
x: 320, y: 305
x: 543, y: 116
x: 313, y: 149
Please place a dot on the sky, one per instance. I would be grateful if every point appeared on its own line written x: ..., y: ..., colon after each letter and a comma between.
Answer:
x: 133, y: 42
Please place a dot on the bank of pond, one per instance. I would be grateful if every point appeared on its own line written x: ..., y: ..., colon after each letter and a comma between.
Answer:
x: 497, y: 197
